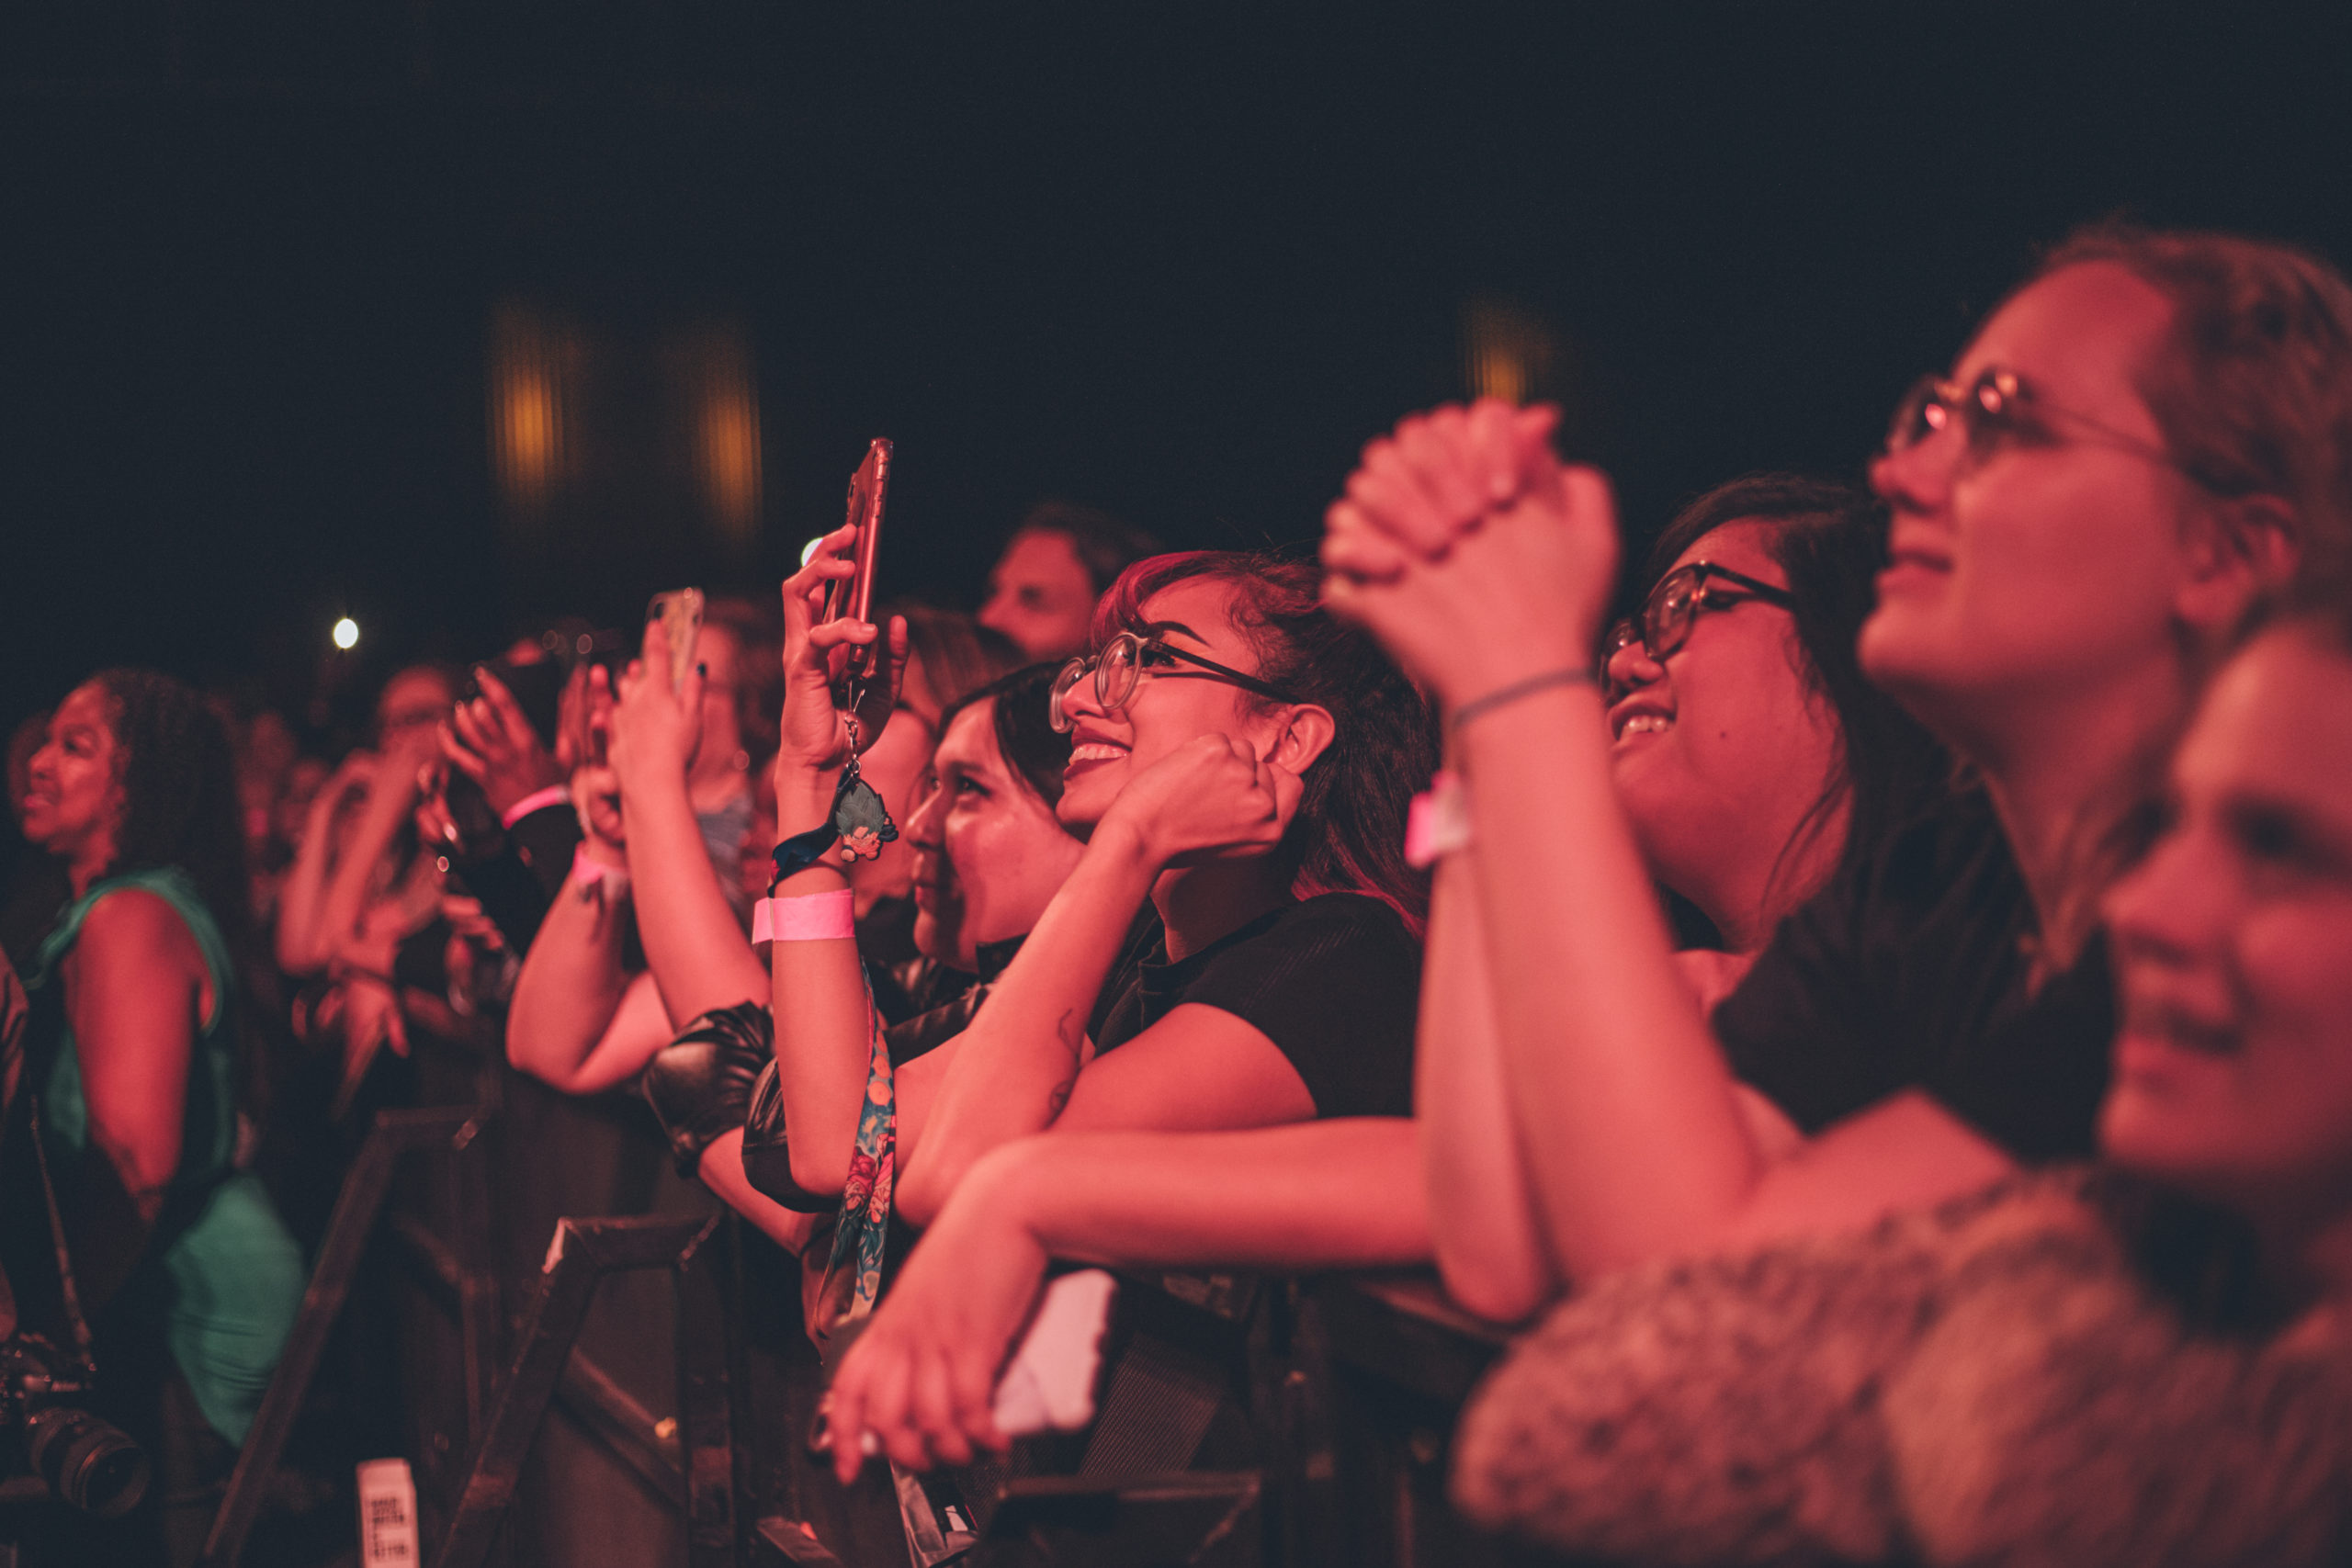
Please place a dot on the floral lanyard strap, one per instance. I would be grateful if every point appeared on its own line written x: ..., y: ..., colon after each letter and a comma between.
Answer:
x: 864, y: 825
x: 865, y: 1224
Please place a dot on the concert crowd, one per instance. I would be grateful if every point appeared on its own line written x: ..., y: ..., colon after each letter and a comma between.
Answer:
x: 1874, y: 1022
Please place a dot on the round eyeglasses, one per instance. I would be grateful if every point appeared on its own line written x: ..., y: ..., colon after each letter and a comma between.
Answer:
x: 1999, y: 405
x: 1664, y: 623
x: 1125, y: 660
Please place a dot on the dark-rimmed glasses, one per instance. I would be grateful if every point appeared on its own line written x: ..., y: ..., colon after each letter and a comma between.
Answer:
x: 1999, y: 404
x: 1664, y: 623
x: 1125, y: 660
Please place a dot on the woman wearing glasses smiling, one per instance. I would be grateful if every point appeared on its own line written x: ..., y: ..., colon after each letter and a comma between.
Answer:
x: 1243, y: 762
x: 2134, y: 443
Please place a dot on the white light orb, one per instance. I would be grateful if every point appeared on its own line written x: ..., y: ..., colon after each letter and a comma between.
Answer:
x: 346, y: 633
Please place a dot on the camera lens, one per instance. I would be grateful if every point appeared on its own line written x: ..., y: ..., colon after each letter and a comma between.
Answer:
x: 89, y: 1464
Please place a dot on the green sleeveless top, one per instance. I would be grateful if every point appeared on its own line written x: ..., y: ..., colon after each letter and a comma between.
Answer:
x: 234, y: 1275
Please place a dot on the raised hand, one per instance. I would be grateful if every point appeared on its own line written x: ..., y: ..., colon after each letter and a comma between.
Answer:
x: 1443, y: 472
x: 815, y: 733
x: 1520, y: 590
x: 1211, y: 798
x: 654, y: 728
x: 490, y: 741
x: 596, y: 796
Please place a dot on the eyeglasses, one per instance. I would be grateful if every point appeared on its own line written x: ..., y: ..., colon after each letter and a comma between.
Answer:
x: 1997, y: 406
x: 1664, y: 623
x: 1125, y: 660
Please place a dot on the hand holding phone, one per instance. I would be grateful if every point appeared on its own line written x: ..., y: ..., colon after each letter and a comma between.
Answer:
x: 854, y: 596
x: 680, y: 613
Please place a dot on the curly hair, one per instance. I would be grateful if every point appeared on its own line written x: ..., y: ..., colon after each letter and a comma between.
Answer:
x: 179, y: 791
x: 1349, y: 835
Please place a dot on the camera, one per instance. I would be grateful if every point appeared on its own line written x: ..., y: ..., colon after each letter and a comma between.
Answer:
x: 85, y: 1461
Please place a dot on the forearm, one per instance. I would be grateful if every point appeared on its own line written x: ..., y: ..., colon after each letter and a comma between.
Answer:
x: 1021, y: 1055
x: 698, y: 953
x: 570, y: 987
x: 300, y: 951
x: 722, y: 1170
x: 1626, y: 1111
x: 1492, y: 1251
x: 346, y: 891
x: 822, y: 1013
x: 1336, y: 1194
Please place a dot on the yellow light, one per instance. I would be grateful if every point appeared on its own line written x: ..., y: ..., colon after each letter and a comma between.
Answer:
x: 346, y: 633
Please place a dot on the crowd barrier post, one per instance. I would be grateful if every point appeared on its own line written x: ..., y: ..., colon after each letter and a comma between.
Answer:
x: 464, y: 1268
x: 697, y: 1467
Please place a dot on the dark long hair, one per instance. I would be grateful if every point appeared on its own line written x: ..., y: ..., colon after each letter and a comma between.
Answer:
x: 1025, y: 731
x: 1830, y: 541
x: 1348, y: 834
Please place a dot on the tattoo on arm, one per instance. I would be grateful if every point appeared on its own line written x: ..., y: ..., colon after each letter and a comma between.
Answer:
x: 1059, y: 1098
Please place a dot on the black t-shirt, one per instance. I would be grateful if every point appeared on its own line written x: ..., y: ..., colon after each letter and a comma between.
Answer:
x: 1333, y: 981
x: 1910, y: 970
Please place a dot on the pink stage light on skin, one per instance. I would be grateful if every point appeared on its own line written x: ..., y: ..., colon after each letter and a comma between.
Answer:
x: 347, y: 634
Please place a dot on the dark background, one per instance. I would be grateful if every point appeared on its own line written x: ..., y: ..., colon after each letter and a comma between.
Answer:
x: 1179, y: 262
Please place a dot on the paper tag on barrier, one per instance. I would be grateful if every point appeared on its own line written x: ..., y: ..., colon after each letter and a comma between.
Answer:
x: 387, y: 1515
x: 1049, y: 1383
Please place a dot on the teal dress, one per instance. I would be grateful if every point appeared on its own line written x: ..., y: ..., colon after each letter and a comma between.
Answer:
x: 230, y: 1276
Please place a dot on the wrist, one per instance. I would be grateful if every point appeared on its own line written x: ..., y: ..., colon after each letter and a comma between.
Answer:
x: 1472, y: 680
x: 804, y: 798
x: 1120, y: 841
x: 1002, y: 1189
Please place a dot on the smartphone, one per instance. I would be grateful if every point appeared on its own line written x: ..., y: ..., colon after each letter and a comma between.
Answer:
x: 537, y: 687
x: 854, y: 596
x: 680, y: 613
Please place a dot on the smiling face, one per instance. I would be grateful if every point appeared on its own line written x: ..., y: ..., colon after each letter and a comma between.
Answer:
x: 1173, y: 702
x: 1041, y: 596
x: 1720, y: 752
x: 73, y: 801
x: 2233, y: 948
x: 2052, y: 561
x: 988, y: 854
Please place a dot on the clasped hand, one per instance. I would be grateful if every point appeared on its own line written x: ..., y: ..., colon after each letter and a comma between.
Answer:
x: 1470, y: 550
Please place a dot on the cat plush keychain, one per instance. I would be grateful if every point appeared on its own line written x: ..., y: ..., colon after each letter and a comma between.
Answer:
x: 860, y: 818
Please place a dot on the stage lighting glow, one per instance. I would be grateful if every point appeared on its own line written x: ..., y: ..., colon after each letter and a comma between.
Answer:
x: 809, y: 550
x: 346, y: 633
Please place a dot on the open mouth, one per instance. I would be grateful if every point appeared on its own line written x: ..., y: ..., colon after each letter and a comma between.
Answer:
x: 1631, y: 718
x: 1095, y: 751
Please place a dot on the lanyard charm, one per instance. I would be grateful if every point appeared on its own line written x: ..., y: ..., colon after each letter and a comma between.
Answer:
x: 860, y: 818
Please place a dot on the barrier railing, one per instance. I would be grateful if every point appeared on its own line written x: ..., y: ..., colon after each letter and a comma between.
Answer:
x: 1267, y: 1421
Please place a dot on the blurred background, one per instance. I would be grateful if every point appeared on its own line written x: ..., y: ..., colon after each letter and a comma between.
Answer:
x: 444, y: 317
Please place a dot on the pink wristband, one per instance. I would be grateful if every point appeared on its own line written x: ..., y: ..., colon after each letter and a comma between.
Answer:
x: 588, y: 874
x: 538, y: 800
x: 1439, y: 822
x: 813, y: 916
